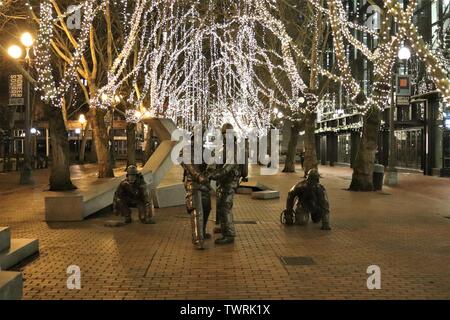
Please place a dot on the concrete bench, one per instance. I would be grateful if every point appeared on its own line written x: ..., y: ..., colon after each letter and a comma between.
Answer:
x: 169, y: 196
x: 14, y: 251
x: 77, y: 205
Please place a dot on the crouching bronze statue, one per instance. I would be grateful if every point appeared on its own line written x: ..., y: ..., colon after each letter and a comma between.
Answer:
x: 308, y: 197
x: 132, y: 192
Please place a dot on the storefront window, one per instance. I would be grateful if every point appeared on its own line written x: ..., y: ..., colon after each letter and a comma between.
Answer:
x: 446, y: 143
x: 409, y: 148
x: 120, y: 147
x: 404, y: 113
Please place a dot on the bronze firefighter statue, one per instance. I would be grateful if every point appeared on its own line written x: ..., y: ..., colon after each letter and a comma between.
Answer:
x: 132, y: 192
x: 198, y: 201
x: 228, y: 177
x: 308, y: 197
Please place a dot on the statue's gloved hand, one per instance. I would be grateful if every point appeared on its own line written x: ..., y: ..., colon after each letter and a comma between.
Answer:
x: 205, y: 187
x: 203, y: 179
x: 211, y: 173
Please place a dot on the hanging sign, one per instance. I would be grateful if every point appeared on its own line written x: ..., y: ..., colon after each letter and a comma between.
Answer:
x: 16, y: 97
x: 402, y: 100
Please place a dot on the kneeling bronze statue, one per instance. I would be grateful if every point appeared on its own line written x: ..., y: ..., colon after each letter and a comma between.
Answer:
x: 133, y: 193
x: 308, y: 197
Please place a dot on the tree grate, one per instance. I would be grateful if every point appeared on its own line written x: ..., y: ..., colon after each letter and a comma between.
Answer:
x: 297, y: 261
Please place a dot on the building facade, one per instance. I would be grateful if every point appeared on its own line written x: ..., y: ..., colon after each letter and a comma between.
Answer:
x: 422, y: 124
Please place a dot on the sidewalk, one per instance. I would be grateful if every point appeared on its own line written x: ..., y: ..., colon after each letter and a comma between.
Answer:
x: 403, y: 230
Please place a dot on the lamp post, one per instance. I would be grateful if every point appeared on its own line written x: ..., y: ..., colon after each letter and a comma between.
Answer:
x: 82, y: 120
x: 392, y: 175
x: 16, y: 53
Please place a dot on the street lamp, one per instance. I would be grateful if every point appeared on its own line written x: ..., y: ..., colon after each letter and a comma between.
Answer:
x: 16, y: 53
x: 392, y: 175
x: 404, y: 53
x: 82, y: 120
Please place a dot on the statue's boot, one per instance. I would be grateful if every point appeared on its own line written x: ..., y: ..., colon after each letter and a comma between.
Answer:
x: 149, y: 221
x: 224, y: 240
x: 326, y: 221
x: 227, y: 226
x: 207, y: 235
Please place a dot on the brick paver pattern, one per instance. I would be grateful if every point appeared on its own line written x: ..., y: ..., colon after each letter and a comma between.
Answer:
x: 404, y: 230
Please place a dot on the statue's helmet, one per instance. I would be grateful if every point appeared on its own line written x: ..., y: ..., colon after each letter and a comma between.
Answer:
x: 313, y: 176
x: 132, y: 171
x: 225, y: 127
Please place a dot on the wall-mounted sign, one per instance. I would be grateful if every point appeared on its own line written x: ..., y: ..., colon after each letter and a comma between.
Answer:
x: 403, y: 85
x: 16, y: 97
x: 402, y: 101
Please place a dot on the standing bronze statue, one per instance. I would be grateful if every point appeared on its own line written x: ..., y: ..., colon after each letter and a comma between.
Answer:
x: 133, y: 192
x: 198, y: 201
x: 308, y: 197
x: 228, y: 176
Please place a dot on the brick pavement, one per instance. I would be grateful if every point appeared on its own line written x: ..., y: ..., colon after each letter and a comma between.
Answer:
x: 403, y: 230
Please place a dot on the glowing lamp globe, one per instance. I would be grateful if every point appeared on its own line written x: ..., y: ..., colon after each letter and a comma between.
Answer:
x: 15, y: 51
x: 404, y: 53
x: 82, y: 119
x: 27, y: 39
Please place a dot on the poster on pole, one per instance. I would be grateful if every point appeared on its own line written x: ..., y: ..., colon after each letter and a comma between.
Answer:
x: 16, y: 96
x: 403, y: 85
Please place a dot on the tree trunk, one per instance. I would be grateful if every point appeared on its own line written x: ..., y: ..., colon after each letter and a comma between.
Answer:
x: 362, y: 179
x: 131, y: 144
x: 7, y: 122
x: 310, y: 142
x: 101, y: 138
x: 289, y: 165
x: 112, y: 156
x: 60, y: 165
